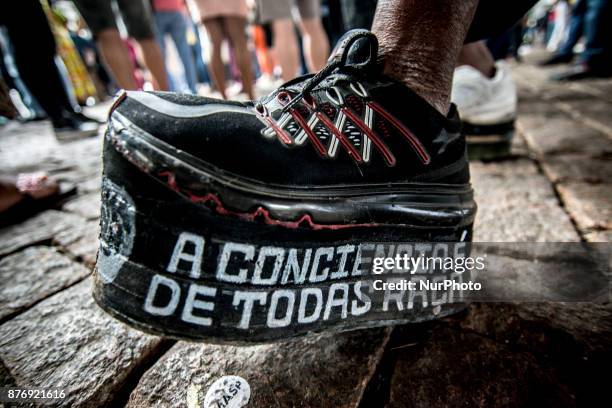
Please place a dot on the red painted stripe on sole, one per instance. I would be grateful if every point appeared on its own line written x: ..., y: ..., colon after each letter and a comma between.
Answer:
x: 261, y: 212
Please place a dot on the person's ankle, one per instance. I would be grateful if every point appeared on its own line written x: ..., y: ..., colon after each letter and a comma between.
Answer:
x: 420, y: 70
x: 432, y: 94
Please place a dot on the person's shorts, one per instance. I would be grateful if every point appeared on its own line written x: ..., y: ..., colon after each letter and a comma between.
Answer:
x: 494, y: 17
x: 271, y: 10
x: 136, y: 15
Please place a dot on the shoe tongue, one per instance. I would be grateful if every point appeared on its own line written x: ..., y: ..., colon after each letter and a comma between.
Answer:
x: 356, y: 48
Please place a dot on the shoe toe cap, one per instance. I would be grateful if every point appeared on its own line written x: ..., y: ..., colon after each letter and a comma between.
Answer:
x: 187, y: 122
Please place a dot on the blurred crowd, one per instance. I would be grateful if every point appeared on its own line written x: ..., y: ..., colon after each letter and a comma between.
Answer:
x: 92, y: 48
x: 228, y: 49
x: 575, y: 28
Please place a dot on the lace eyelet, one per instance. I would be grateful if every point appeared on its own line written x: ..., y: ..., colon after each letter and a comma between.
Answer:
x: 283, y: 97
x: 261, y: 109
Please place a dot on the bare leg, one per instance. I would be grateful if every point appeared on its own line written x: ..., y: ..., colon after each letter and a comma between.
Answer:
x: 420, y: 42
x: 316, y: 45
x: 117, y: 58
x: 217, y: 71
x: 286, y: 47
x: 155, y: 62
x: 235, y: 28
x: 478, y: 56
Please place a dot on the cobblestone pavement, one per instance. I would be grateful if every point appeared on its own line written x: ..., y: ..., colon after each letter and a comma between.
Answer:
x: 556, y: 188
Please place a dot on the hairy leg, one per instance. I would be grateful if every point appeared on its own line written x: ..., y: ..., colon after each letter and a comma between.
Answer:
x: 116, y: 57
x: 477, y: 55
x: 420, y: 42
x: 316, y: 45
x: 286, y: 47
x: 235, y: 27
x: 216, y: 68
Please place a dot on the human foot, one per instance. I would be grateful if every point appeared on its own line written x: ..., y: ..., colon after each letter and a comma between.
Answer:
x: 487, y: 107
x: 28, y: 194
x: 32, y: 185
x: 73, y: 126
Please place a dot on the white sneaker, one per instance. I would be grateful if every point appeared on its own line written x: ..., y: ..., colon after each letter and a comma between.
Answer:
x: 482, y: 100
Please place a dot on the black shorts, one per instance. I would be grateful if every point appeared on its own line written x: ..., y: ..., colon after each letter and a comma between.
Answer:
x: 136, y: 15
x: 495, y: 17
x: 492, y: 18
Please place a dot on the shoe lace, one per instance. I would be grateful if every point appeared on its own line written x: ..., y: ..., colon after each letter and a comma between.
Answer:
x: 338, y: 60
x: 310, y: 84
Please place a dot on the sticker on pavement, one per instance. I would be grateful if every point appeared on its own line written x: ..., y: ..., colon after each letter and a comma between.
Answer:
x: 230, y: 391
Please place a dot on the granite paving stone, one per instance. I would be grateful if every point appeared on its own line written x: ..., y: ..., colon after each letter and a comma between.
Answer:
x: 33, y: 274
x: 40, y: 228
x: 68, y: 342
x: 589, y: 204
x: 329, y: 370
x: 516, y: 203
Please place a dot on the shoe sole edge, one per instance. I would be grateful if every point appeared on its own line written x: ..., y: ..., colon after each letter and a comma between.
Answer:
x: 418, y: 204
